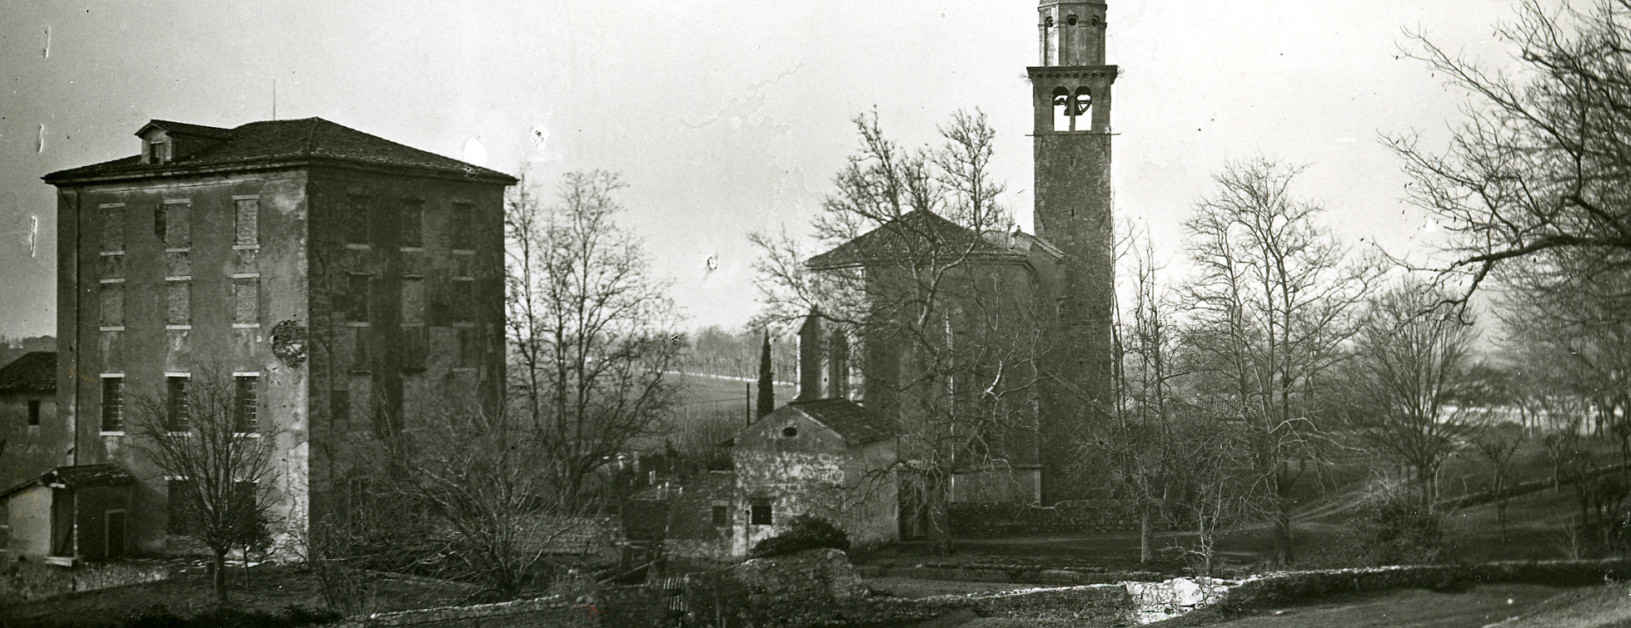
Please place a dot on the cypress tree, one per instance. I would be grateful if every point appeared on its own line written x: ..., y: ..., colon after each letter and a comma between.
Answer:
x: 767, y: 383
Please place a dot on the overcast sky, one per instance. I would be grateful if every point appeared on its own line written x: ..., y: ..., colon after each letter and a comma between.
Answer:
x: 727, y: 116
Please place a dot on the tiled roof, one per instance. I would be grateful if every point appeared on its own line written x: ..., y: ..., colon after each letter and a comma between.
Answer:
x: 916, y: 235
x: 278, y: 141
x: 34, y: 372
x: 856, y: 424
x: 78, y: 477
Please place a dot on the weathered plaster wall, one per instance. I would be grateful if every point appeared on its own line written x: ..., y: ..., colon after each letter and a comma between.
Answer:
x: 690, y: 527
x: 29, y: 515
x: 144, y: 345
x: 872, y: 496
x: 90, y: 521
x: 30, y: 450
x: 373, y: 373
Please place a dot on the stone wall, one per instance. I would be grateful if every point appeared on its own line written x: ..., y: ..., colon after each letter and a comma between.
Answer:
x: 1085, y: 516
x: 592, y: 536
x: 25, y: 580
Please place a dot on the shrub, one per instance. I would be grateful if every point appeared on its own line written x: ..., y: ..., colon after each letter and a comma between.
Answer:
x: 1396, y: 530
x: 805, y: 532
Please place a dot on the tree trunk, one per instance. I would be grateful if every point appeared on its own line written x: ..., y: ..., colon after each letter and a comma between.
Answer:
x: 1145, y: 553
x: 219, y: 575
x: 1282, y: 533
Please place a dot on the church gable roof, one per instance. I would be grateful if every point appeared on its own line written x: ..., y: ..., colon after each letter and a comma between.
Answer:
x: 914, y: 235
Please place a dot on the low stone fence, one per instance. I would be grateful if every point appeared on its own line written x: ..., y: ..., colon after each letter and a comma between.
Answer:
x: 1017, y: 574
x: 1284, y: 587
x: 23, y: 580
x: 977, y: 520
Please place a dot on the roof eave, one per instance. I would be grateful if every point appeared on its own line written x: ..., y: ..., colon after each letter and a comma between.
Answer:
x: 65, y: 177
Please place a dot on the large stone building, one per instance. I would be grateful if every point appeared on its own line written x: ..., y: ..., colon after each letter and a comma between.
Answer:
x: 337, y: 281
x: 1045, y: 301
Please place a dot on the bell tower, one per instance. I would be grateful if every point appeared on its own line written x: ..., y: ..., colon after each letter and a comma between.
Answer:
x: 1071, y: 132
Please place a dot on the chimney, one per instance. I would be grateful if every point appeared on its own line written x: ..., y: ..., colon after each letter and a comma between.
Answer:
x: 838, y: 365
x: 810, y: 357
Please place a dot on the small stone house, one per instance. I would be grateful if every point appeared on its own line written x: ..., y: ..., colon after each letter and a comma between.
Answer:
x: 28, y: 411
x: 827, y: 457
x: 71, y: 513
x: 830, y: 458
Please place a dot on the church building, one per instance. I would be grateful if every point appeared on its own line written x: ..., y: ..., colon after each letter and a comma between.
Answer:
x: 1020, y: 352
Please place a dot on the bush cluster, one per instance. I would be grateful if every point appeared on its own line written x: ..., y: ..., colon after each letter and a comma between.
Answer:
x: 1397, y: 530
x: 803, y: 533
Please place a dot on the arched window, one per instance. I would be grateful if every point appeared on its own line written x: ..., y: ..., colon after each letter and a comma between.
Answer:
x: 1061, y: 109
x: 1081, y: 110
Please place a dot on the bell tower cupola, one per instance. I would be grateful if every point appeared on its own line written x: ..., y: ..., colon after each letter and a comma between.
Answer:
x: 1072, y: 32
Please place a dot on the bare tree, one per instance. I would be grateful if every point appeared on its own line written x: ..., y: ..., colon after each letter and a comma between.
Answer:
x: 488, y: 511
x: 1274, y: 298
x: 1497, y: 446
x: 1140, y: 444
x: 1539, y: 165
x: 1214, y: 486
x: 590, y: 329
x: 917, y: 288
x: 1412, y: 364
x: 204, y: 430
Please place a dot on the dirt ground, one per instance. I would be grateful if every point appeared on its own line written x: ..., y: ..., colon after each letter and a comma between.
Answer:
x: 269, y: 589
x: 1408, y: 608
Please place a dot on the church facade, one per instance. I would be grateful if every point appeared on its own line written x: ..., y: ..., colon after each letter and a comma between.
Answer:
x: 995, y: 348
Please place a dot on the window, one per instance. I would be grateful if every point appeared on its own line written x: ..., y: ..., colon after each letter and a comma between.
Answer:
x: 413, y: 301
x: 414, y: 346
x: 356, y: 221
x: 360, y: 362
x: 339, y: 408
x: 413, y: 224
x: 180, y: 507
x: 171, y: 226
x: 1071, y: 19
x: 790, y: 432
x: 158, y: 151
x: 761, y: 511
x: 722, y: 516
x: 178, y: 300
x: 246, y: 231
x: 113, y: 229
x: 176, y: 403
x: 33, y: 413
x: 111, y: 300
x: 464, y: 300
x: 356, y: 298
x: 246, y: 301
x: 113, y: 404
x: 244, y: 403
x: 461, y: 232
x: 469, y: 347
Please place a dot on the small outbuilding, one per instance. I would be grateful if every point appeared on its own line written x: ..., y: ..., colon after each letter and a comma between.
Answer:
x: 70, y: 514
x: 830, y: 458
